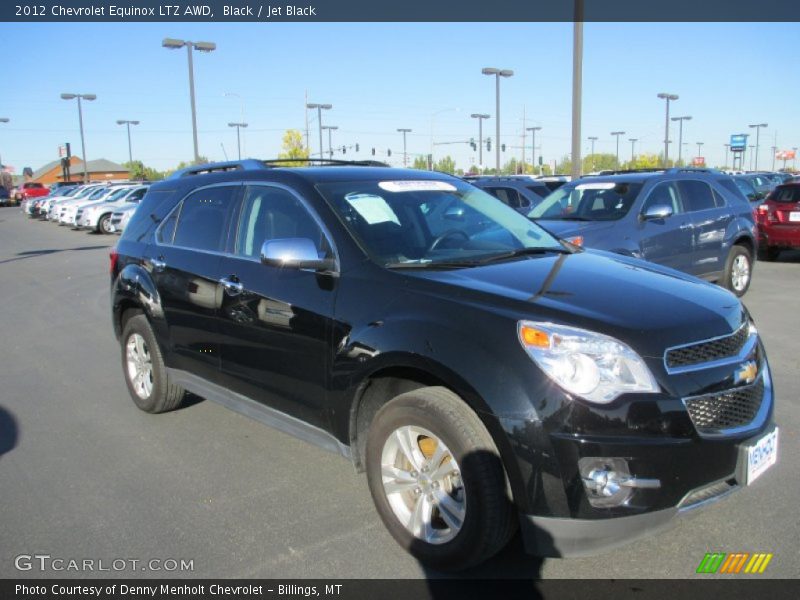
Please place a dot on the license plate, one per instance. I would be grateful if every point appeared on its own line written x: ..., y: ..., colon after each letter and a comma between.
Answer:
x: 761, y: 455
x: 794, y: 215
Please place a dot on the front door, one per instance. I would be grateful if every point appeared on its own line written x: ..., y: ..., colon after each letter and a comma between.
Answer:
x: 666, y: 241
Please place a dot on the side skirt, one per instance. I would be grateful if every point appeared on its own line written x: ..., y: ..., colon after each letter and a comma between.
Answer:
x: 257, y: 411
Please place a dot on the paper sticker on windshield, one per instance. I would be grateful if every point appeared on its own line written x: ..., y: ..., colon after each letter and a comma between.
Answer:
x: 416, y: 186
x: 373, y: 209
x: 605, y: 185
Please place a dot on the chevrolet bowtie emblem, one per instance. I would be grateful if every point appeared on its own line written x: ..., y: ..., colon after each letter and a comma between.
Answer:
x: 746, y: 373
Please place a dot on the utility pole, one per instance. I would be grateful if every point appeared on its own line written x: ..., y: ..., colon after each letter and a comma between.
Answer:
x: 480, y: 117
x: 404, y: 131
x: 757, y: 127
x: 498, y: 73
x: 633, y: 146
x: 617, y: 134
x: 533, y: 131
x: 593, y: 139
x: 320, y: 108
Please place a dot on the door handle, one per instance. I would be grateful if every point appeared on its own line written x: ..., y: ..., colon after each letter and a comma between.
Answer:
x: 685, y: 226
x: 234, y: 288
x: 158, y: 264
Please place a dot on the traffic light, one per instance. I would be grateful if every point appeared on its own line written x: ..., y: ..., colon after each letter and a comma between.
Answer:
x: 373, y: 152
x: 503, y: 147
x: 488, y: 145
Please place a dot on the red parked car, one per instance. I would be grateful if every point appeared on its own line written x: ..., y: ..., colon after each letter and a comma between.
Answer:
x: 779, y: 221
x: 29, y: 189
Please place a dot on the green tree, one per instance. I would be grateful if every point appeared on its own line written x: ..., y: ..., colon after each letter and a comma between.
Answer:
x: 293, y: 147
x: 420, y: 162
x: 445, y: 165
x: 139, y: 171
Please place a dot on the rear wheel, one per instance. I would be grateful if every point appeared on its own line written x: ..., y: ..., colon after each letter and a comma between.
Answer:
x: 143, y: 366
x: 437, y: 480
x: 738, y: 270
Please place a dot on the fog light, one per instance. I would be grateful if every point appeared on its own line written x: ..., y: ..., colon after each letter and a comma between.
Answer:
x: 608, y: 481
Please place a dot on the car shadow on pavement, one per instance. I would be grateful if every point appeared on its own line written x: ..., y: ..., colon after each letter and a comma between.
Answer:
x: 35, y: 253
x: 9, y: 432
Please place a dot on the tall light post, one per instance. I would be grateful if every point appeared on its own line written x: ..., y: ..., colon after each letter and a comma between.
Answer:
x: 577, y: 89
x: 320, y: 108
x: 330, y: 128
x: 668, y: 98
x: 174, y: 44
x: 727, y: 147
x: 3, y: 120
x: 241, y: 113
x: 128, y: 125
x: 405, y: 155
x: 680, y: 133
x: 593, y: 139
x: 757, y: 127
x: 774, y: 150
x: 751, y: 147
x: 617, y: 134
x: 699, y: 149
x: 533, y: 131
x: 90, y: 98
x: 480, y: 117
x: 238, y: 136
x: 633, y: 147
x: 498, y: 73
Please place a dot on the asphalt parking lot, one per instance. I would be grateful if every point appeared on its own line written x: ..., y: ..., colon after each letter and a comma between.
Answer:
x: 86, y: 475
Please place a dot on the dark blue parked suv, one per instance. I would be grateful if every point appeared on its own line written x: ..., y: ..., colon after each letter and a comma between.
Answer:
x: 687, y: 219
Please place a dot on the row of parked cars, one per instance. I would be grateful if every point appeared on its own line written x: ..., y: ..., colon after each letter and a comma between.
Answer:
x: 99, y: 207
x: 701, y: 221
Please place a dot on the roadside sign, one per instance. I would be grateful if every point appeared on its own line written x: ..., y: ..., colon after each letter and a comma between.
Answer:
x: 785, y: 155
x: 698, y: 161
x: 738, y: 142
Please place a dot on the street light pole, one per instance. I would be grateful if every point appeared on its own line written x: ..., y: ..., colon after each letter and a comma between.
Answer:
x: 751, y: 157
x: 533, y: 131
x: 577, y: 89
x: 757, y: 127
x: 3, y: 120
x: 633, y: 146
x: 498, y: 73
x: 727, y: 146
x: 593, y: 139
x: 174, y: 44
x: 617, y: 134
x: 680, y: 134
x: 699, y: 149
x: 320, y: 108
x: 667, y: 97
x: 90, y: 98
x: 128, y: 125
x: 405, y: 155
x: 480, y: 117
x: 238, y: 137
x: 330, y: 143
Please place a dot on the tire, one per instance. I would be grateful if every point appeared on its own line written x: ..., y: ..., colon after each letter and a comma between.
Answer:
x: 768, y: 253
x: 160, y: 395
x: 104, y: 224
x: 474, y: 480
x: 738, y: 270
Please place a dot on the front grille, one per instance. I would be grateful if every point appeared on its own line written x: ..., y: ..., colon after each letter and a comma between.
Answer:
x: 708, y: 351
x: 713, y: 413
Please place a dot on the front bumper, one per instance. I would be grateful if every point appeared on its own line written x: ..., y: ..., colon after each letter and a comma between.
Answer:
x: 566, y: 537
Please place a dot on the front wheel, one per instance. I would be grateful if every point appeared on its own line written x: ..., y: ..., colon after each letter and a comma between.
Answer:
x: 738, y: 270
x: 437, y: 480
x: 104, y: 225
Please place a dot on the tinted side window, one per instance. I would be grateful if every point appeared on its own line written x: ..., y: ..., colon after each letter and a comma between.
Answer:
x: 152, y: 208
x: 541, y: 191
x: 201, y: 224
x: 506, y: 195
x: 696, y: 195
x: 664, y: 194
x: 270, y: 213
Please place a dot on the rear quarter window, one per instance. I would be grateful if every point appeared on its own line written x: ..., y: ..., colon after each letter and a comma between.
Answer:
x: 154, y: 206
x: 786, y: 194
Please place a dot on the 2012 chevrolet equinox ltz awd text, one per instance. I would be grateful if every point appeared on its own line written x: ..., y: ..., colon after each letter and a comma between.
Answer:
x: 485, y: 375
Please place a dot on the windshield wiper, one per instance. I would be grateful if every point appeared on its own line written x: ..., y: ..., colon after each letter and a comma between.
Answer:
x: 574, y: 218
x: 526, y: 252
x: 444, y: 264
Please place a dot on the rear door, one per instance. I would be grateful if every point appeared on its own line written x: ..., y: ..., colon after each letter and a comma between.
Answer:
x: 185, y: 266
x: 666, y: 241
x: 275, y: 323
x: 710, y: 218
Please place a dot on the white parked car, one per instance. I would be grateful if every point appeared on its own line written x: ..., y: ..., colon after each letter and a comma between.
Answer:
x: 96, y: 216
x: 70, y: 208
x: 121, y: 217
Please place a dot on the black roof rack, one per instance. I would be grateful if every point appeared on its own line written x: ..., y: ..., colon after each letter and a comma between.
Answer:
x: 625, y: 171
x: 277, y: 162
x: 218, y: 167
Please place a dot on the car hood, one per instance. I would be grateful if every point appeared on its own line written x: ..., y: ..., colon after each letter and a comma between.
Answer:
x: 567, y: 229
x: 645, y: 305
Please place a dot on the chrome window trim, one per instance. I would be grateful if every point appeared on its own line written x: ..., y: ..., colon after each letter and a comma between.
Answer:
x: 754, y: 425
x: 747, y: 348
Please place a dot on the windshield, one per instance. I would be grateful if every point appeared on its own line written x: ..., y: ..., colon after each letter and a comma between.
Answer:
x: 118, y: 194
x: 432, y: 222
x: 596, y: 201
x: 97, y: 194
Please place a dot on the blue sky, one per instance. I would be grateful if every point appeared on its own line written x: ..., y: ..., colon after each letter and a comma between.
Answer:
x: 382, y: 76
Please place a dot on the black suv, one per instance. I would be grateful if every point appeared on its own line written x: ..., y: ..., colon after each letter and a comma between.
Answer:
x: 693, y: 220
x: 520, y: 192
x: 485, y: 375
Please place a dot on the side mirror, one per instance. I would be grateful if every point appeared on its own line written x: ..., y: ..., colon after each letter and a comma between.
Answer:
x: 294, y: 253
x: 454, y: 213
x: 657, y: 211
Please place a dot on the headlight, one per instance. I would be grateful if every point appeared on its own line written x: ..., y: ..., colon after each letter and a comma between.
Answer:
x: 591, y: 365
